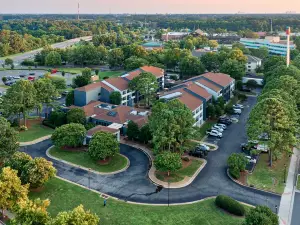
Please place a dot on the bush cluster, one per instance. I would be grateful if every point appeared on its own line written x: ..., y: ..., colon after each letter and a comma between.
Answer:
x: 230, y: 205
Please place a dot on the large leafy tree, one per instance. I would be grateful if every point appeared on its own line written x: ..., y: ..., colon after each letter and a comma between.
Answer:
x: 146, y: 84
x: 296, y: 61
x: 18, y: 161
x: 71, y: 135
x: 53, y: 59
x: 191, y: 66
x: 282, y: 70
x: 145, y: 134
x: 116, y: 58
x: 211, y: 62
x: 12, y: 191
x: 84, y: 55
x: 32, y: 213
x: 277, y: 120
x: 20, y: 99
x: 261, y: 53
x: 70, y: 98
x: 272, y: 62
x: 45, y: 91
x: 76, y: 115
x: 103, y: 145
x: 168, y: 161
x: 261, y: 215
x: 83, y: 79
x: 58, y: 82
x: 77, y: 216
x: 132, y: 130
x: 37, y: 172
x: 115, y: 98
x: 8, y: 140
x: 134, y: 62
x: 233, y: 68
x: 238, y: 55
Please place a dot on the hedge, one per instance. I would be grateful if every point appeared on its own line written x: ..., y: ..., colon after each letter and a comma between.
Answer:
x: 234, y: 172
x: 230, y: 205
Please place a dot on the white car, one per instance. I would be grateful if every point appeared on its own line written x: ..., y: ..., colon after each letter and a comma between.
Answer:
x: 237, y: 111
x: 262, y: 147
x: 250, y: 159
x: 16, y: 77
x: 214, y: 133
x: 238, y: 106
x: 223, y: 126
x: 215, y: 127
x: 204, y: 146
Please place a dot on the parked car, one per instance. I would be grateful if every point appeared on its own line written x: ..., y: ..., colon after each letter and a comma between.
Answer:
x: 22, y: 75
x: 17, y: 77
x: 31, y: 74
x: 262, y: 147
x: 203, y: 146
x: 223, y: 126
x: 65, y: 93
x: 250, y: 159
x: 248, y: 146
x: 237, y: 111
x: 234, y: 120
x: 199, y: 153
x: 225, y: 121
x: 214, y: 133
x: 215, y: 127
x: 31, y: 78
x: 238, y: 106
x: 41, y: 76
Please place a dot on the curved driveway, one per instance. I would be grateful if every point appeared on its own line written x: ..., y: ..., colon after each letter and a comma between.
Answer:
x: 134, y: 185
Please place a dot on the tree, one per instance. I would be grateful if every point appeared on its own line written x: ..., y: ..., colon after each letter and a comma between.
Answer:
x: 77, y: 216
x: 45, y: 91
x: 12, y: 191
x: 238, y: 55
x: 115, y: 58
x: 277, y: 120
x: 272, y: 62
x: 233, y: 68
x: 32, y: 213
x: 86, y: 72
x: 58, y: 82
x: 134, y: 62
x: 115, y: 98
x: 76, y: 115
x: 102, y: 54
x: 20, y: 98
x: 237, y: 160
x: 296, y: 61
x: 8, y: 140
x: 18, y: 161
x: 71, y: 135
x: 168, y: 162
x: 189, y: 44
x: 53, y: 59
x: 4, y: 79
x: 261, y: 215
x: 97, y: 72
x: 191, y: 66
x: 37, y: 172
x: 145, y: 134
x: 58, y: 118
x: 211, y: 111
x: 297, y: 43
x: 251, y: 84
x: 146, y: 84
x: 211, y: 62
x: 103, y: 145
x: 80, y: 81
x: 213, y: 44
x: 8, y: 61
x: 240, y: 46
x: 84, y: 55
x: 132, y: 130
x: 70, y: 98
x: 261, y: 53
x: 63, y: 73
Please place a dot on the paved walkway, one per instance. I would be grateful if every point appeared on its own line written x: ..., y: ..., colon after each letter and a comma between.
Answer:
x: 35, y: 141
x: 286, y: 203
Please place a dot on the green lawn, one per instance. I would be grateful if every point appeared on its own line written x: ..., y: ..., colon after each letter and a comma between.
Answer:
x: 118, y: 162
x: 271, y: 179
x: 4, y: 86
x: 110, y: 74
x: 66, y: 196
x: 200, y: 132
x: 35, y: 131
x: 71, y: 70
x: 180, y: 174
x: 298, y: 182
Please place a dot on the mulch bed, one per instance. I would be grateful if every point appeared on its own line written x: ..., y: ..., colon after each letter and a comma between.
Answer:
x: 30, y: 122
x: 38, y: 189
x: 243, y: 177
x: 104, y: 161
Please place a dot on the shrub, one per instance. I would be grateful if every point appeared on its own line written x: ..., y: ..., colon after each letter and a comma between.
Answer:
x: 238, y: 161
x: 186, y: 159
x: 254, y: 152
x: 28, y: 62
x: 18, y: 161
x: 47, y: 123
x: 261, y: 215
x: 234, y: 172
x: 230, y: 205
x: 23, y: 128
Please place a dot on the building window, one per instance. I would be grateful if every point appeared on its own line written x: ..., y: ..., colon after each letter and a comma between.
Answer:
x: 124, y: 92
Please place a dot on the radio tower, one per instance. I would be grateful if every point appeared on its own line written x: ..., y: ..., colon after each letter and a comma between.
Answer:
x: 288, y: 32
x: 78, y: 13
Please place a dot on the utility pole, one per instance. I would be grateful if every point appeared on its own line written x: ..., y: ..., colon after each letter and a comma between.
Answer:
x: 78, y: 13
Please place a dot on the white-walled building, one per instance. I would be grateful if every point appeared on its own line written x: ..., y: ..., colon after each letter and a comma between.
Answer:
x: 253, y: 63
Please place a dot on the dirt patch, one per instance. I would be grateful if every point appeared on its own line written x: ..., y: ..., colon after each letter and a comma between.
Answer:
x: 186, y: 163
x: 31, y: 122
x: 104, y: 161
x: 77, y: 149
x: 243, y: 177
x: 37, y: 190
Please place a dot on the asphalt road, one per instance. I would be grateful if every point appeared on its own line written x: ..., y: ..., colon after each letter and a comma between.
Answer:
x: 20, y: 57
x: 296, y: 210
x: 134, y: 185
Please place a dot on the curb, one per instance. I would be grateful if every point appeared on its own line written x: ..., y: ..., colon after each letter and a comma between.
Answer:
x: 206, y: 143
x: 140, y: 203
x: 87, y: 169
x: 22, y: 144
x: 246, y: 186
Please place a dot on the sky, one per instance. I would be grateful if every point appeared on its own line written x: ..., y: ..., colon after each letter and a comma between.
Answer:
x: 149, y: 6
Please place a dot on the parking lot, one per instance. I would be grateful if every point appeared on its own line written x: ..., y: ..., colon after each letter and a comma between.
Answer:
x: 37, y: 74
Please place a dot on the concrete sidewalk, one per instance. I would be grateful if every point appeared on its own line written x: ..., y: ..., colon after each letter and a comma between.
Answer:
x: 287, y: 199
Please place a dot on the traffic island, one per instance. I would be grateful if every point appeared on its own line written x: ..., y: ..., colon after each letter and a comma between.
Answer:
x: 181, y: 178
x: 81, y: 159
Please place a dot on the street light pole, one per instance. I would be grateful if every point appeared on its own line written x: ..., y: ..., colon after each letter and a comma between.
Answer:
x: 284, y: 179
x: 276, y: 209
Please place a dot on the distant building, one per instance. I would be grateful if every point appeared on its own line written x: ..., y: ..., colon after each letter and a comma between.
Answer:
x: 174, y: 36
x: 253, y: 63
x: 259, y: 79
x: 152, y: 46
x: 274, y: 44
x: 200, y: 52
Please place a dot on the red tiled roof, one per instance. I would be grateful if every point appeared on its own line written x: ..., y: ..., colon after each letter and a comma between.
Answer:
x: 89, y: 87
x: 105, y: 86
x: 133, y: 74
x: 158, y: 72
x: 209, y: 85
x: 98, y: 128
x: 198, y: 90
x: 219, y: 78
x: 118, y: 82
x: 89, y: 109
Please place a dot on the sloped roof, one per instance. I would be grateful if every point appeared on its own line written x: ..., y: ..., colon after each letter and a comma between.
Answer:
x: 98, y: 128
x: 198, y: 90
x: 209, y: 84
x: 219, y: 78
x: 158, y: 72
x: 89, y: 87
x: 118, y: 82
